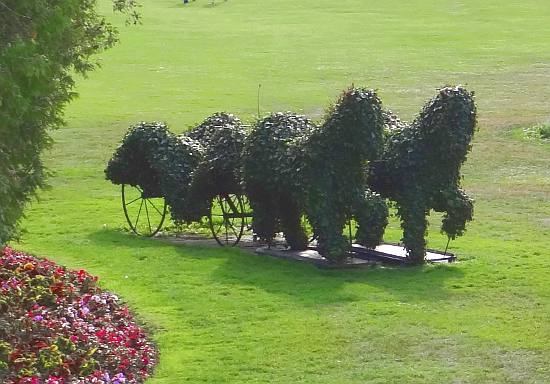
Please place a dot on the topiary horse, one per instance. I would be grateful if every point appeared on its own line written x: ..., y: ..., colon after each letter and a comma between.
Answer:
x: 273, y: 172
x: 420, y: 167
x: 337, y: 191
x: 292, y: 167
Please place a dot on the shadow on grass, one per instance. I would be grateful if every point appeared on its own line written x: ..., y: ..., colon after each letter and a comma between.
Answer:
x: 299, y: 281
x: 124, y: 238
x: 311, y: 285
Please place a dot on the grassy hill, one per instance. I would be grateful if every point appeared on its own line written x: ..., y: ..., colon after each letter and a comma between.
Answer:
x: 223, y: 316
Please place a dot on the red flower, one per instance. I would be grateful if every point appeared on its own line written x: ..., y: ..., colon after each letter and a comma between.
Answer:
x: 101, y: 333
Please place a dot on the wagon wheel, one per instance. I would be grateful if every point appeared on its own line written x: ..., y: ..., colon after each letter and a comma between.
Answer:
x: 145, y: 214
x: 227, y: 219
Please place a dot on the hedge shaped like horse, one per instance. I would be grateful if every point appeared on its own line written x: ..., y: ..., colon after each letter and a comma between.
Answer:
x: 292, y: 167
x: 420, y: 167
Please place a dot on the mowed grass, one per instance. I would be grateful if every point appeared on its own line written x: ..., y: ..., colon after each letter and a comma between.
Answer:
x: 225, y: 316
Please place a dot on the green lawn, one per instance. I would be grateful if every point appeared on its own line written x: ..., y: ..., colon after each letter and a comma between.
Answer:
x: 224, y: 316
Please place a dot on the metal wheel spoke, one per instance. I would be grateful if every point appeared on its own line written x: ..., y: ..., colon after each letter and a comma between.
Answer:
x: 147, y: 213
x: 234, y: 230
x: 220, y: 227
x: 133, y: 201
x: 154, y: 206
x: 139, y: 212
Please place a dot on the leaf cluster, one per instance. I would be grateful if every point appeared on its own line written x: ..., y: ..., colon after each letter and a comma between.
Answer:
x: 219, y: 170
x: 273, y: 171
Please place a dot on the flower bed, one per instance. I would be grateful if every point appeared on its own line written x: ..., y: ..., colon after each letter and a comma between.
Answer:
x: 58, y: 327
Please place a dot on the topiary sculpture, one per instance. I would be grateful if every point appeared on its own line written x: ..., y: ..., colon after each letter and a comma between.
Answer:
x: 219, y: 171
x: 204, y: 131
x: 274, y: 172
x: 351, y: 135
x: 292, y: 167
x: 161, y: 163
x: 420, y: 167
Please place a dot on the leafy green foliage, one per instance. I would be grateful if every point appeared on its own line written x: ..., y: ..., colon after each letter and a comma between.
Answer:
x: 292, y: 167
x: 132, y: 161
x: 351, y: 136
x: 159, y: 162
x: 273, y: 171
x: 204, y: 131
x: 539, y: 131
x: 420, y: 167
x: 187, y: 170
x: 42, y: 43
x: 219, y: 171
x: 544, y: 131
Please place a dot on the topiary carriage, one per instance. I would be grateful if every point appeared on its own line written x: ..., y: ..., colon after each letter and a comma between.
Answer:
x: 339, y: 172
x: 160, y: 172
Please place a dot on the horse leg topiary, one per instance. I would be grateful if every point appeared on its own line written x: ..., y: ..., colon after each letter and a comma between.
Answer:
x: 413, y: 214
x: 264, y: 221
x: 458, y: 208
x: 371, y: 213
x: 291, y: 224
x: 328, y: 218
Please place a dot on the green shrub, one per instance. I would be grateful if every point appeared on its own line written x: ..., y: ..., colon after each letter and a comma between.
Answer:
x: 544, y: 131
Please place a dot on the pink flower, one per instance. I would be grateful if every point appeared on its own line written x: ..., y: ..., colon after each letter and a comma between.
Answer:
x: 8, y: 252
